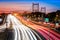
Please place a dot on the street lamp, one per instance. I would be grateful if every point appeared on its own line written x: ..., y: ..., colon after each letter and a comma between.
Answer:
x: 6, y: 20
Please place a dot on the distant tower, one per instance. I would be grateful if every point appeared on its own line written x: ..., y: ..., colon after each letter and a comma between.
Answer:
x: 35, y: 7
x: 43, y: 9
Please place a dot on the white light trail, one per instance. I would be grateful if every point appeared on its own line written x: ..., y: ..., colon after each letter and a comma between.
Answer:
x: 21, y: 31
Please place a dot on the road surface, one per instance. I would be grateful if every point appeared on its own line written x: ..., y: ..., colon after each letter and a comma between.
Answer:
x: 29, y: 31
x: 44, y: 31
x: 21, y: 32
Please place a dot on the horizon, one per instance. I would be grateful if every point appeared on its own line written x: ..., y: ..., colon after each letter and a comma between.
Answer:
x: 26, y: 5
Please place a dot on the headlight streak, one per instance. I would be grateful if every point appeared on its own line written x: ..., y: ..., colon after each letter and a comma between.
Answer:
x: 24, y: 33
x: 31, y: 34
x: 38, y: 35
x: 21, y: 32
x: 44, y: 31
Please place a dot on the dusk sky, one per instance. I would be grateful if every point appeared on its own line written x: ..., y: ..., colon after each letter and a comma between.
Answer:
x: 51, y: 5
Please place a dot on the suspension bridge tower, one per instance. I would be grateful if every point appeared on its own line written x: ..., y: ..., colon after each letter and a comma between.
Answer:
x: 43, y: 9
x: 35, y: 7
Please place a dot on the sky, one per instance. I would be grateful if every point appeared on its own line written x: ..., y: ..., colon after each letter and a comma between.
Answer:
x: 51, y: 5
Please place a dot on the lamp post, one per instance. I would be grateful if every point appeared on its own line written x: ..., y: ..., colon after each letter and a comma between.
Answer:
x: 6, y: 21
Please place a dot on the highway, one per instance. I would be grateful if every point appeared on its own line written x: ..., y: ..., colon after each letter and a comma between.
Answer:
x: 21, y: 32
x: 47, y: 33
x: 26, y: 30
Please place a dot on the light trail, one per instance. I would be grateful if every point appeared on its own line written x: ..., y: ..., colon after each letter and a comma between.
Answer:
x: 38, y: 35
x: 21, y: 31
x: 44, y: 31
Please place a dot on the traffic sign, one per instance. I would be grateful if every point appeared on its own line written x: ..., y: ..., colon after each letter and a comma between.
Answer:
x: 46, y: 19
